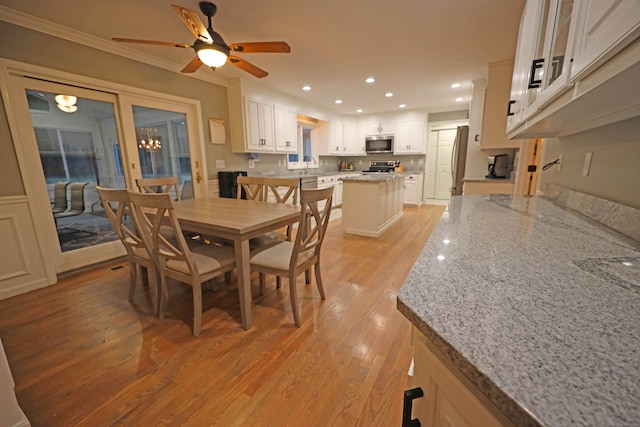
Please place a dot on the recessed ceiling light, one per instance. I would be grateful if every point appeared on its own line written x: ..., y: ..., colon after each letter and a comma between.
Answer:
x: 455, y: 85
x: 359, y: 110
x: 306, y: 87
x: 402, y: 105
x: 370, y: 80
x: 388, y: 94
x: 338, y: 101
x: 459, y: 99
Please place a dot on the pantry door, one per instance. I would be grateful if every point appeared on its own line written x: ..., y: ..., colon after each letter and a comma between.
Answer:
x: 439, y: 163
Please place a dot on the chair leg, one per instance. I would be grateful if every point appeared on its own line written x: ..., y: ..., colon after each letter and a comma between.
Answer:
x: 133, y: 278
x: 307, y: 276
x: 294, y: 299
x: 197, y: 308
x: 319, y: 280
x: 164, y: 296
x: 278, y: 282
x: 155, y: 294
x: 262, y: 282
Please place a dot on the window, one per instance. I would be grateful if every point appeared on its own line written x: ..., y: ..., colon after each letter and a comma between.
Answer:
x: 307, y: 146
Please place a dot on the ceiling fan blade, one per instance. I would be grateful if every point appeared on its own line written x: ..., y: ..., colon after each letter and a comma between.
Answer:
x: 118, y: 39
x: 275, y: 47
x: 247, y: 66
x: 193, y: 22
x: 192, y: 66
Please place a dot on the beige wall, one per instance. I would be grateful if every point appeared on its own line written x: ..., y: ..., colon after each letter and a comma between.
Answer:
x: 615, y: 165
x: 10, y: 179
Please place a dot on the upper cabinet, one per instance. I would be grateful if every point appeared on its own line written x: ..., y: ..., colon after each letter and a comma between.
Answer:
x: 603, y: 27
x: 494, y: 119
x: 570, y: 53
x: 259, y: 126
x: 286, y: 132
x: 409, y: 137
x: 380, y: 128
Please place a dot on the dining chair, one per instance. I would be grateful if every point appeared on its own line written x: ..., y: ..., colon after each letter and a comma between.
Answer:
x: 159, y: 185
x: 290, y: 259
x: 60, y: 203
x: 253, y: 187
x: 176, y: 260
x: 77, y: 205
x: 116, y: 206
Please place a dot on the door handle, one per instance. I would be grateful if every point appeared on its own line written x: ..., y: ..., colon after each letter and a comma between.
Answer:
x: 198, y: 177
x: 536, y: 64
x: 509, y: 112
x: 409, y: 395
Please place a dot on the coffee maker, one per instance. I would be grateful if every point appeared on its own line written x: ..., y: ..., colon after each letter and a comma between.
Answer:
x: 498, y: 166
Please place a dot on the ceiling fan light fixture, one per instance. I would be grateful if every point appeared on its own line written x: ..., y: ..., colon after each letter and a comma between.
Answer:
x: 212, y: 55
x: 66, y: 100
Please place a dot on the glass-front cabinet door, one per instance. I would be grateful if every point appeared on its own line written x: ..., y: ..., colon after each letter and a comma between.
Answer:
x: 551, y: 64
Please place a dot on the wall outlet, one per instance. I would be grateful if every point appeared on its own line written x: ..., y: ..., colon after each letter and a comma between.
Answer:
x: 587, y: 164
x: 220, y: 164
x: 559, y: 165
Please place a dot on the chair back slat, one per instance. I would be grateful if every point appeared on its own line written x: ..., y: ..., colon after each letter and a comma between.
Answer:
x: 291, y: 184
x: 159, y: 185
x: 151, y: 213
x: 314, y: 220
x: 253, y: 187
x: 116, y: 205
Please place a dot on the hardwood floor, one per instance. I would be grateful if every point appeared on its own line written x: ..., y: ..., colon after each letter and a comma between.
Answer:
x: 81, y: 354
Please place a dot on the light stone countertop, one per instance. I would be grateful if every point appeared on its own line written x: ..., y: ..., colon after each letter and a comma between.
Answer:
x: 374, y: 178
x: 537, y: 305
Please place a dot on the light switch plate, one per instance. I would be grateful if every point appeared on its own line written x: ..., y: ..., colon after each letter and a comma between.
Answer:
x: 587, y: 164
x: 252, y: 163
x: 220, y: 164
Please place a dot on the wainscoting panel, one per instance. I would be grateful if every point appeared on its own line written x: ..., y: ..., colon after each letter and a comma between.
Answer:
x: 21, y: 265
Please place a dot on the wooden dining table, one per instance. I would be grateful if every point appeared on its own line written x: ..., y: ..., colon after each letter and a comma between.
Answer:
x: 236, y: 220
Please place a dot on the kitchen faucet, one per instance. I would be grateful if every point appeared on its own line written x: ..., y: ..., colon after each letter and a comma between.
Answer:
x: 307, y: 162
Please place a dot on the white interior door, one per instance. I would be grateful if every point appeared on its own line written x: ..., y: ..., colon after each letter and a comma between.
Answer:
x: 432, y: 153
x: 441, y: 150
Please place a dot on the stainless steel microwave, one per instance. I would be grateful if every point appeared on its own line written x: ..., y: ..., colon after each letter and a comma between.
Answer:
x: 379, y: 144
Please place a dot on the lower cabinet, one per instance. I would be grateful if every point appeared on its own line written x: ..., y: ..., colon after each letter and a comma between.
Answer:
x: 447, y: 401
x: 413, y: 189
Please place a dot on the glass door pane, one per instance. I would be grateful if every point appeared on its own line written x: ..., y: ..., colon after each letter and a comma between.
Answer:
x: 163, y: 146
x: 79, y: 149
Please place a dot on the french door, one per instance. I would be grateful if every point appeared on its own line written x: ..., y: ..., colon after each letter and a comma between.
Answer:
x: 77, y: 139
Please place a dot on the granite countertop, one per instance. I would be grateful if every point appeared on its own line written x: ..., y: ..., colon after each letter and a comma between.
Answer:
x: 382, y: 177
x: 537, y: 305
x: 485, y: 179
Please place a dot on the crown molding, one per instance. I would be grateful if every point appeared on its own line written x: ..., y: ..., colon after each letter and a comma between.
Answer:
x: 50, y: 28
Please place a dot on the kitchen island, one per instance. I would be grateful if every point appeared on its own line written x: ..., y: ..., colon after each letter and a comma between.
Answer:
x: 533, y: 311
x: 371, y: 203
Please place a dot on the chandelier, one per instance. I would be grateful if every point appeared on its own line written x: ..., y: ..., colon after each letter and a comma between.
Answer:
x: 149, y: 143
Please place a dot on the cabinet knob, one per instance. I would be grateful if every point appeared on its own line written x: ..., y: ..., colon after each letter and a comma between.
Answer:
x: 536, y: 64
x: 409, y: 395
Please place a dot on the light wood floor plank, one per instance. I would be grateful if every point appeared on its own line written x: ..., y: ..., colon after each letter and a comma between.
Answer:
x: 81, y: 354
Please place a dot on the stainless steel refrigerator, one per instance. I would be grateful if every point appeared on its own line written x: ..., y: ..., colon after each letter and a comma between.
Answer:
x: 458, y: 159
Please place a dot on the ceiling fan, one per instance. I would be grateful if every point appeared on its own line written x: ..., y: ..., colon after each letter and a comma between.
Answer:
x: 210, y: 47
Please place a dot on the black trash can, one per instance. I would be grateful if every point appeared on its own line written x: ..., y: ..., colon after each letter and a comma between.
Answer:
x: 228, y: 183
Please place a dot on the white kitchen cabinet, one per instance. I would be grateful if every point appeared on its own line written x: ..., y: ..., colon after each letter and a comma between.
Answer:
x: 449, y: 398
x: 409, y: 137
x: 331, y: 136
x: 335, y: 182
x: 259, y: 126
x: 550, y: 65
x: 413, y: 189
x: 590, y: 46
x: 286, y: 130
x: 603, y: 28
x: 352, y: 145
x: 380, y: 128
